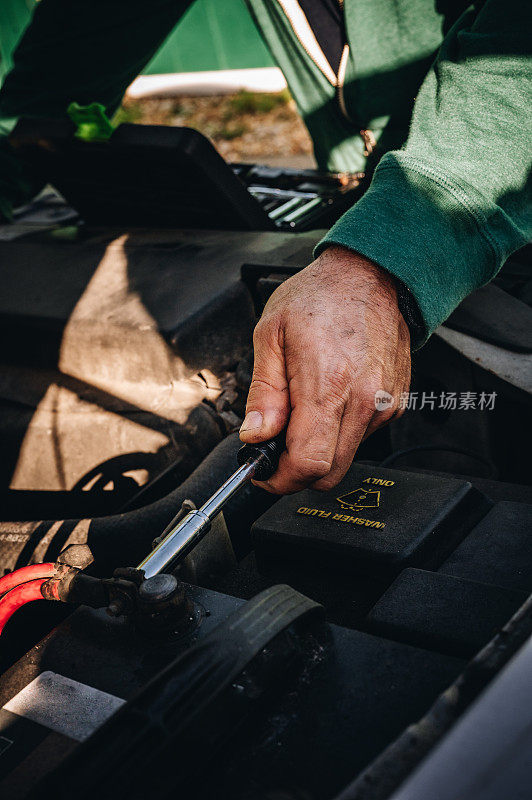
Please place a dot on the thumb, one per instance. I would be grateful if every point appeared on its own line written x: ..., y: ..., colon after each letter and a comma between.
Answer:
x: 268, y: 405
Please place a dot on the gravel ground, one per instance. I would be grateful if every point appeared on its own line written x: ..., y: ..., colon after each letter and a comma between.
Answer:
x: 264, y: 128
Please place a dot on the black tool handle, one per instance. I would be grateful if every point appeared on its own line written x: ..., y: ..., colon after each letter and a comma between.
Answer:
x: 267, y: 455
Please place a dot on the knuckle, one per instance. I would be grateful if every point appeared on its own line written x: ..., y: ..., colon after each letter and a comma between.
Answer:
x: 338, y: 382
x: 259, y: 385
x: 372, y: 385
x: 280, y: 484
x: 368, y: 396
x: 266, y: 328
x: 269, y: 486
x: 325, y: 484
x: 307, y: 468
x: 260, y: 333
x: 334, y: 393
x: 259, y: 338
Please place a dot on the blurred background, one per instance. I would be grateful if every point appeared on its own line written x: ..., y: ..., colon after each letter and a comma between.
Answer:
x: 214, y: 74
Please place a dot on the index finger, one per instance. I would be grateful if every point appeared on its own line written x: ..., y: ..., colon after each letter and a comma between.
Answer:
x: 311, y: 440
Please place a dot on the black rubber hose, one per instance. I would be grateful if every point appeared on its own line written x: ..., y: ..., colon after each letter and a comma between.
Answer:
x: 124, y: 539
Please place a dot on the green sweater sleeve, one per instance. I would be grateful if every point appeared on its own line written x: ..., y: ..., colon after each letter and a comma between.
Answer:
x: 444, y: 213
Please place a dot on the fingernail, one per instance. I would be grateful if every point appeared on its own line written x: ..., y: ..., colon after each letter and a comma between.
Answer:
x: 252, y: 421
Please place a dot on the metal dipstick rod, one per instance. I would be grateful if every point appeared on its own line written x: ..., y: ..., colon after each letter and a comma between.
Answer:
x: 256, y: 461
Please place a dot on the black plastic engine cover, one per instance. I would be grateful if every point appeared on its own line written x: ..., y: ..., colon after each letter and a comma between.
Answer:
x: 355, y: 694
x: 377, y: 520
x: 497, y: 550
x: 440, y: 612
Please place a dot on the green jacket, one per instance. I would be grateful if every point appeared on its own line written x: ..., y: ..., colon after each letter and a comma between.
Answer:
x: 436, y: 91
x: 451, y: 80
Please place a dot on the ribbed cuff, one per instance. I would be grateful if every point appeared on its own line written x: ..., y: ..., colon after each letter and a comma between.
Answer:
x: 426, y: 230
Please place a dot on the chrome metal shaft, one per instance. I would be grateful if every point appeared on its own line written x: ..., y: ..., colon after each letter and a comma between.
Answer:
x: 179, y: 541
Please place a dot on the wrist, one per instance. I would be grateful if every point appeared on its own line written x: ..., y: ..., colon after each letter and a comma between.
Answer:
x: 344, y: 264
x: 394, y: 290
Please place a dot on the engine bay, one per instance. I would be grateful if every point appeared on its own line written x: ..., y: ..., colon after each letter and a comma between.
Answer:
x: 334, y: 640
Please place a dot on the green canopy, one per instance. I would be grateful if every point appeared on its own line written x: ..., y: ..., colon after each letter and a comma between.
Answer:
x: 211, y: 36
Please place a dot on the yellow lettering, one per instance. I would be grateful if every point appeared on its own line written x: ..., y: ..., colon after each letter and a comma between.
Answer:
x: 317, y: 512
x: 378, y: 482
x: 313, y: 512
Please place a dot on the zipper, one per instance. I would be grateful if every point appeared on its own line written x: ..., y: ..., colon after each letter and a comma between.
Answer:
x: 309, y: 43
x: 307, y: 40
x: 340, y: 80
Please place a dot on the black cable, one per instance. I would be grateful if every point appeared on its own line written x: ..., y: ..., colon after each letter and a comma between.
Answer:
x: 442, y: 448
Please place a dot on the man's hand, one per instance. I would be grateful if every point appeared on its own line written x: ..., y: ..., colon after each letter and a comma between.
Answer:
x: 329, y: 338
